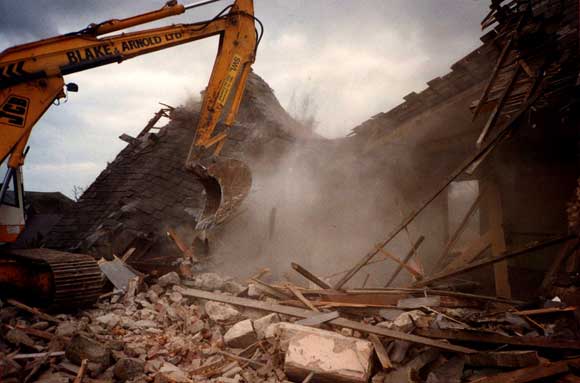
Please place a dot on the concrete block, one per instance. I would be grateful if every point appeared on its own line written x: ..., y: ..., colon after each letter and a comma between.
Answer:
x: 260, y: 325
x: 241, y: 335
x: 331, y: 356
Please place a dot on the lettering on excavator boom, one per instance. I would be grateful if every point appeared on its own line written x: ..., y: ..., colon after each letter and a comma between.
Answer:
x: 11, y: 71
x: 77, y: 56
x: 229, y: 80
x: 14, y: 110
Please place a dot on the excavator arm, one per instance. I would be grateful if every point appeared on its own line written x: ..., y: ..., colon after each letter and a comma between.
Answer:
x: 31, y: 80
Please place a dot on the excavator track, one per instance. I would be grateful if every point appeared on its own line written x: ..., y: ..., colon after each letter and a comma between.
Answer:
x: 52, y: 278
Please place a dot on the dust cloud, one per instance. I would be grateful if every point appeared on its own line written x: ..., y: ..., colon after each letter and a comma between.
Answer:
x: 315, y: 207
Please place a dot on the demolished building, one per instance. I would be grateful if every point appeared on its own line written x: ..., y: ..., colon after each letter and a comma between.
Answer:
x: 505, y: 114
x: 513, y: 102
x: 484, y: 164
x: 146, y: 190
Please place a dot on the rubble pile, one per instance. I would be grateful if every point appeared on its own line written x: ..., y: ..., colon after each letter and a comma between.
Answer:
x: 208, y: 328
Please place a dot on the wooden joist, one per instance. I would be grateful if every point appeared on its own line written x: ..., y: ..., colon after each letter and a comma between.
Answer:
x: 528, y: 374
x: 486, y: 262
x: 493, y: 338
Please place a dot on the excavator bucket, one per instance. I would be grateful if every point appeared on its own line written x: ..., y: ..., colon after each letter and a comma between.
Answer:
x: 227, y: 182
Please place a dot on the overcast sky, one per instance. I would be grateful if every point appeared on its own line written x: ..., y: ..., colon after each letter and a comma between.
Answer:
x: 355, y: 58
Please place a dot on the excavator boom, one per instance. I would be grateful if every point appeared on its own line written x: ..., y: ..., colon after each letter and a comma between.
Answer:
x: 31, y: 80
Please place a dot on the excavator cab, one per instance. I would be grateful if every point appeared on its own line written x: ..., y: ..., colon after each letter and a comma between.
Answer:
x: 11, y: 204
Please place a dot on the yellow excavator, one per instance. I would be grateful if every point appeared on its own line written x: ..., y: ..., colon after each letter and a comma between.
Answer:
x: 31, y: 80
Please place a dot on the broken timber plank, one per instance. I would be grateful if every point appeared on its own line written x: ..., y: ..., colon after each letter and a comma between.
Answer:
x: 528, y: 374
x: 187, y: 252
x: 318, y: 319
x: 81, y: 374
x: 33, y: 311
x: 566, y: 251
x: 510, y: 359
x: 498, y: 245
x: 365, y: 299
x: 549, y: 310
x: 535, y: 245
x: 38, y: 355
x: 381, y: 352
x: 404, y: 265
x: 474, y: 250
x: 462, y: 226
x: 311, y: 277
x: 301, y: 298
x: 493, y: 338
x: 341, y: 322
x: 493, y: 76
x: 419, y: 302
x: 271, y: 290
x: 404, y: 290
x: 498, y: 108
x: 406, y: 260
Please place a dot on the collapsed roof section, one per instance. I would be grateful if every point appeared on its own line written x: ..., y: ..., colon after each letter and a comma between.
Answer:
x: 146, y: 190
x: 511, y: 128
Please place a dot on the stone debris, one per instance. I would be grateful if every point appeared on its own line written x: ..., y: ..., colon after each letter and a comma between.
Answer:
x: 167, y: 334
x: 261, y: 325
x: 221, y: 312
x: 168, y: 279
x: 241, y: 335
x: 329, y: 355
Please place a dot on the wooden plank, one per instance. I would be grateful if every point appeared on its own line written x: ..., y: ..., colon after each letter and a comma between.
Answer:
x: 493, y: 338
x: 510, y: 359
x: 498, y: 247
x: 185, y: 250
x: 406, y: 260
x: 422, y: 291
x: 301, y: 298
x: 462, y: 226
x: 491, y: 80
x: 38, y: 333
x: 419, y: 302
x: 474, y: 250
x: 568, y: 249
x: 465, y: 325
x: 402, y: 264
x: 38, y: 355
x: 366, y: 299
x: 81, y: 374
x: 340, y: 322
x: 549, y: 310
x: 381, y: 352
x: 528, y: 374
x: 318, y: 319
x: 311, y: 277
x: 530, y: 247
x: 271, y: 290
x: 499, y: 106
x: 32, y: 310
